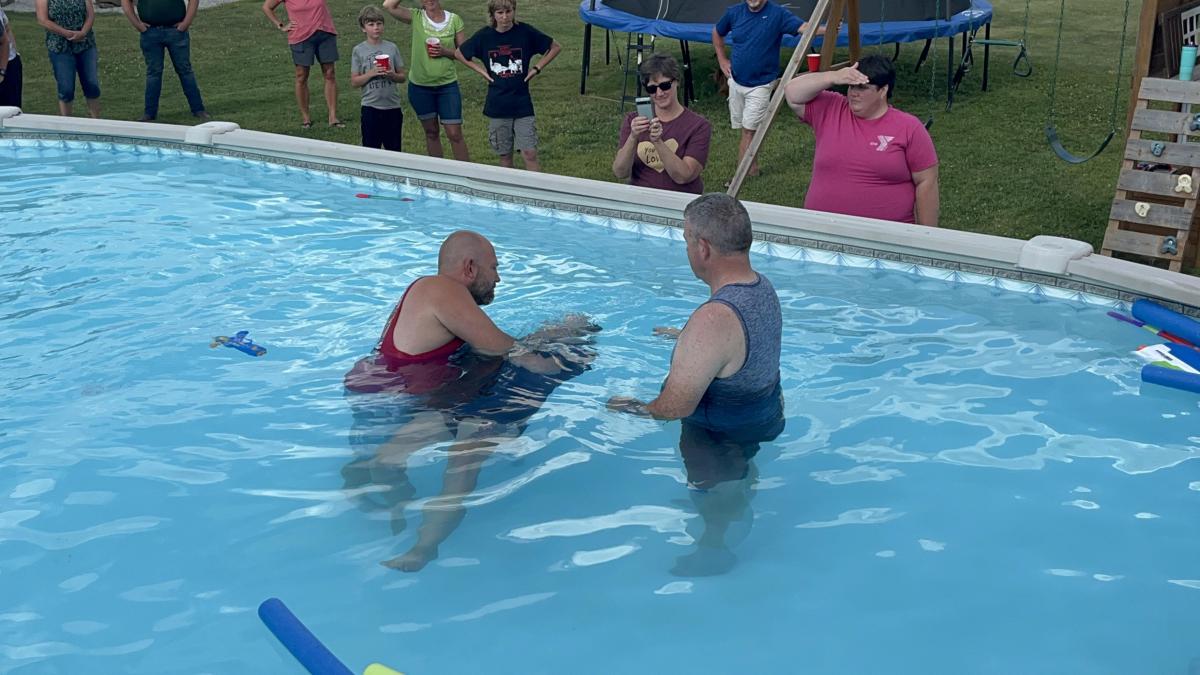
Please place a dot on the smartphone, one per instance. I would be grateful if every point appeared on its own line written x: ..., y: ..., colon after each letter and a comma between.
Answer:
x: 644, y: 107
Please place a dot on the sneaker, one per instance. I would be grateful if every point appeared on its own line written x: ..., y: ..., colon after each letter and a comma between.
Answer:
x: 202, y: 115
x: 145, y: 118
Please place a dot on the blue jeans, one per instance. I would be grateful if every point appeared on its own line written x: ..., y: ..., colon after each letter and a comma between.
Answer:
x: 178, y: 45
x: 85, y: 64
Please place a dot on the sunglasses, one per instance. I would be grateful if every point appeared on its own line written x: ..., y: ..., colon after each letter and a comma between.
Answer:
x: 653, y: 88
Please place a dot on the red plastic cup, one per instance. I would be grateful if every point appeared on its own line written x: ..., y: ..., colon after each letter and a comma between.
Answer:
x: 430, y: 44
x: 814, y: 63
x: 383, y: 61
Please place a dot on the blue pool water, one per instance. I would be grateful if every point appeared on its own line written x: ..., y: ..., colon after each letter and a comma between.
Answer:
x: 970, y: 481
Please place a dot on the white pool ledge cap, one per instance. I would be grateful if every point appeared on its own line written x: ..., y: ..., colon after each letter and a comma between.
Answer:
x: 8, y: 112
x: 202, y: 134
x: 1051, y: 255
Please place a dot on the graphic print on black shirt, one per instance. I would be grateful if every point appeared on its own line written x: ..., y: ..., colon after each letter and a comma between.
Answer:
x: 506, y: 57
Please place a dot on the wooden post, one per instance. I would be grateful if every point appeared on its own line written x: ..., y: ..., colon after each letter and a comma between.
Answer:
x: 819, y: 14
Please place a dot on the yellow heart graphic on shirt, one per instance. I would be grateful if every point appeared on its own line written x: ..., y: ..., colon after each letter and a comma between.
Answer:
x: 649, y: 154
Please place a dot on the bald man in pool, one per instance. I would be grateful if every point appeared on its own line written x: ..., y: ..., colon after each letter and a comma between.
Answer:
x: 470, y: 384
x: 724, y: 378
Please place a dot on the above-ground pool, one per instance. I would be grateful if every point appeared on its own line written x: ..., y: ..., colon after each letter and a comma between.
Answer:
x: 971, y: 480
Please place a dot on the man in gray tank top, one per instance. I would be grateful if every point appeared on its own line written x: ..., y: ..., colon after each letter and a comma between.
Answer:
x: 724, y: 376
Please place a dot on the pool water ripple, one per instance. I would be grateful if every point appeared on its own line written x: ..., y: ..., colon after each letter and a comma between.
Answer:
x: 921, y: 512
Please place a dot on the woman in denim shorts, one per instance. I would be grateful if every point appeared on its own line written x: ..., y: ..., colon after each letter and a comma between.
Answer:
x: 432, y: 80
x: 72, y: 47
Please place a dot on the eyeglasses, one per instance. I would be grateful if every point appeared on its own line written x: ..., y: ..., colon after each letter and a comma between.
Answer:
x: 665, y: 86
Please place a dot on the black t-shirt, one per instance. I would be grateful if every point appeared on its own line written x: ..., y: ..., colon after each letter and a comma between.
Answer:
x: 506, y: 56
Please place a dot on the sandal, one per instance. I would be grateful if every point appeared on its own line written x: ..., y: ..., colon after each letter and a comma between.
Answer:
x: 306, y: 125
x: 337, y: 125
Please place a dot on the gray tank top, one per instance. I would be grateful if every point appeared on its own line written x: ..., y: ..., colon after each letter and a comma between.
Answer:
x: 757, y: 308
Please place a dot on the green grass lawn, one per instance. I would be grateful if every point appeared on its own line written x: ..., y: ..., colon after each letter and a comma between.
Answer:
x: 998, y: 175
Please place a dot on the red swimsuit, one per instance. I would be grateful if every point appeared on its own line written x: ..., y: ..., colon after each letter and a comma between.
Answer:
x: 390, y: 369
x: 394, y: 358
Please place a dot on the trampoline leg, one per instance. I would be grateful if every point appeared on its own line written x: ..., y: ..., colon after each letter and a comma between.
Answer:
x: 896, y: 55
x: 924, y: 54
x: 987, y: 34
x: 587, y: 56
x: 607, y: 48
x: 950, y: 73
x: 689, y: 93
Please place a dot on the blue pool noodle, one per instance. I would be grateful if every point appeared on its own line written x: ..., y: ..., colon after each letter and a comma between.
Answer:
x: 303, y: 645
x: 1169, y: 377
x: 1164, y: 319
x: 1186, y: 354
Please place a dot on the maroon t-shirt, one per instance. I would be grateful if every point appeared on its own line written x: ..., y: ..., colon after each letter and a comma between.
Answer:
x: 689, y: 133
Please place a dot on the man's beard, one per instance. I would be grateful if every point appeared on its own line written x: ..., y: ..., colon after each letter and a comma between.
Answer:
x: 483, y: 296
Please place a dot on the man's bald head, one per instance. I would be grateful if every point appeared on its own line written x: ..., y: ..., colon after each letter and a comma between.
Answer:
x: 463, y: 246
x: 470, y: 258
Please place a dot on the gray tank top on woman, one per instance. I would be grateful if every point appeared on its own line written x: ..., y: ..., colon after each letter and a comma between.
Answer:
x: 757, y: 381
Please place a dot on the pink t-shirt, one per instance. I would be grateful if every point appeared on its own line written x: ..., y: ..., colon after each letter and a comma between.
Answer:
x: 690, y: 133
x: 865, y: 167
x: 308, y: 17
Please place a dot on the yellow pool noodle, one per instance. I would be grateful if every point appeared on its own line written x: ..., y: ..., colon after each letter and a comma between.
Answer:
x: 380, y: 669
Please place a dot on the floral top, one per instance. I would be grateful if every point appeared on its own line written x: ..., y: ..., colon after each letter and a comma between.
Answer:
x: 70, y: 14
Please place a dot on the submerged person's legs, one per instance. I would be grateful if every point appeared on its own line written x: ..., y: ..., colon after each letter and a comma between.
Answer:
x: 490, y: 403
x: 721, y: 477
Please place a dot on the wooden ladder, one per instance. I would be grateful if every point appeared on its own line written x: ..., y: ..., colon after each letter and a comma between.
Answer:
x: 1154, y: 213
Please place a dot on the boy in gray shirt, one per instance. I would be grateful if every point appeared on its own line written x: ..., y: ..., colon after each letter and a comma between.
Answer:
x: 376, y: 67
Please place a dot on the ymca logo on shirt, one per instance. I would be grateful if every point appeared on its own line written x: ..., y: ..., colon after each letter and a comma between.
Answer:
x: 882, y: 143
x: 506, y: 61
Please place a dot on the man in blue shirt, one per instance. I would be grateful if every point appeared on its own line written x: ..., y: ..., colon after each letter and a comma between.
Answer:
x: 758, y: 27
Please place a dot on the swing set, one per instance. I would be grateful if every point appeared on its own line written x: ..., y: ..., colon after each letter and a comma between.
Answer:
x: 1022, y: 67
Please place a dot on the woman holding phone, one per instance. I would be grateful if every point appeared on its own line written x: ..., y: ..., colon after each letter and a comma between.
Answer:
x: 668, y: 150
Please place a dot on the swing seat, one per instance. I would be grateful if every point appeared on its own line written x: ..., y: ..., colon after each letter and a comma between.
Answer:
x: 1066, y: 155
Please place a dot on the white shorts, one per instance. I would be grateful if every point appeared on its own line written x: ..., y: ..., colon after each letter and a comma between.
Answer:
x: 748, y: 105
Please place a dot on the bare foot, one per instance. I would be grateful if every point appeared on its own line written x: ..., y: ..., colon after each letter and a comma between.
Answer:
x: 414, y: 560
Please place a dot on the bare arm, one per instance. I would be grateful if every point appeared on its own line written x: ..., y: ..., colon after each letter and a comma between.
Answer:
x: 706, y: 346
x: 130, y: 11
x: 393, y: 7
x: 722, y: 60
x: 623, y: 163
x: 5, y: 40
x: 681, y: 169
x: 927, y: 208
x: 805, y: 88
x: 549, y: 56
x: 42, y: 7
x: 189, y: 16
x: 464, y: 319
x: 470, y: 63
x: 268, y: 8
x: 91, y: 17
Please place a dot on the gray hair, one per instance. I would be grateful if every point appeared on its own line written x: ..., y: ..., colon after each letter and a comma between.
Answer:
x: 722, y: 221
x: 663, y: 65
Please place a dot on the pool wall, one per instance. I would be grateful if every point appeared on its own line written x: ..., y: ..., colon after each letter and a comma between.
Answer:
x: 1040, y: 262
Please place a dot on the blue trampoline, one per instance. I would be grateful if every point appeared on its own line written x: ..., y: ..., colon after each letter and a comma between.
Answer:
x: 967, y: 22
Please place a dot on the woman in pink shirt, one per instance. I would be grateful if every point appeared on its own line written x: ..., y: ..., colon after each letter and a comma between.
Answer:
x: 312, y: 37
x: 871, y: 160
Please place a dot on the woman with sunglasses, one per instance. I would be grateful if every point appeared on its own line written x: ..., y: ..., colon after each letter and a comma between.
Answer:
x: 668, y: 151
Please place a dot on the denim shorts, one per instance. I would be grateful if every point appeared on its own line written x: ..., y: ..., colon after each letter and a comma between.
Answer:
x: 67, y: 65
x: 320, y: 47
x: 443, y: 102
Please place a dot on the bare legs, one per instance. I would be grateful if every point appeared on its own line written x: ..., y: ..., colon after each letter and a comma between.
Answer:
x: 93, y: 105
x: 302, y: 94
x: 330, y: 74
x: 743, y: 145
x: 530, y: 157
